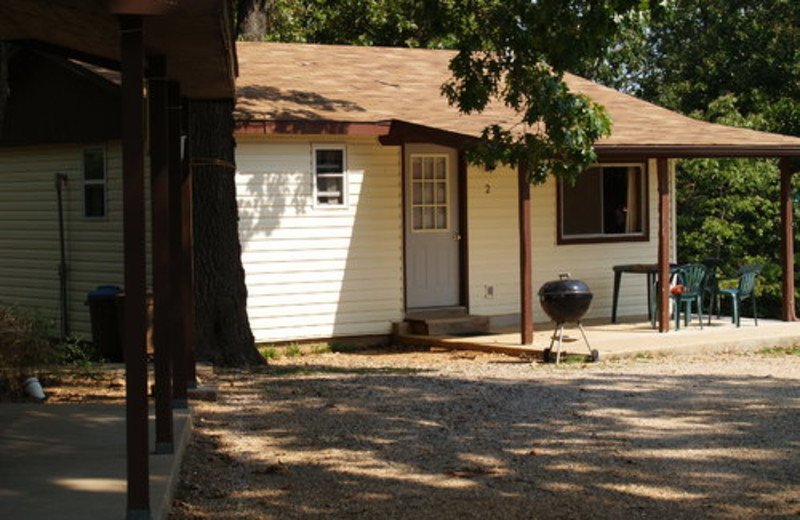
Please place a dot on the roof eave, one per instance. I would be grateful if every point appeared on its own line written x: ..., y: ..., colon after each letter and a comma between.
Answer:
x: 310, y: 127
x: 698, y: 151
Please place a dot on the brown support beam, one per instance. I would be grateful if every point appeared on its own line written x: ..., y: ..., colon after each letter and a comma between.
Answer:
x: 162, y: 288
x: 135, y: 339
x: 665, y: 217
x: 789, y: 311
x: 187, y: 258
x: 525, y: 263
x: 463, y: 245
x: 177, y: 332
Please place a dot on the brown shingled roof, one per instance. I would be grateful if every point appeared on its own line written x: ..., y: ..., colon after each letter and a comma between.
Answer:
x: 329, y: 83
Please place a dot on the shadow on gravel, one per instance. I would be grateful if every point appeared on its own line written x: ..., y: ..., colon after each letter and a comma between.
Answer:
x: 325, y: 442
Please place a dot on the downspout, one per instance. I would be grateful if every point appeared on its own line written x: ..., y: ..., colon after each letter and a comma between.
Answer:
x: 61, y: 180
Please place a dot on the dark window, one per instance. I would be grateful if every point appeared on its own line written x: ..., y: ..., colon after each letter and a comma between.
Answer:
x: 329, y: 172
x: 94, y: 182
x: 606, y: 203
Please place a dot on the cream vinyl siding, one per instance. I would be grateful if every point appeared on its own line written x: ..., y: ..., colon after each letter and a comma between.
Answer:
x: 29, y: 232
x: 319, y: 272
x: 494, y: 249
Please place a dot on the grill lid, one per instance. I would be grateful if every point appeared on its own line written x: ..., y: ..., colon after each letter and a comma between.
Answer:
x: 564, y: 285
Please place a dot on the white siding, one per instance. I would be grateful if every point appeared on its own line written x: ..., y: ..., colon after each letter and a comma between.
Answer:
x: 29, y: 232
x: 494, y: 249
x: 319, y: 272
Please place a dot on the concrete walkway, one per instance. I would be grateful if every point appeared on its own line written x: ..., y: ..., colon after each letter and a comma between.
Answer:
x: 67, y: 462
x: 630, y: 338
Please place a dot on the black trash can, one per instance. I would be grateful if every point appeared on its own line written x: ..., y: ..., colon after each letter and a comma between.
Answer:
x: 104, y: 313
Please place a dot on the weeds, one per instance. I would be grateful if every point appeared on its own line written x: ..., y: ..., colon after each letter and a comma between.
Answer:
x: 293, y: 350
x: 268, y: 352
x: 25, y: 344
x: 781, y: 351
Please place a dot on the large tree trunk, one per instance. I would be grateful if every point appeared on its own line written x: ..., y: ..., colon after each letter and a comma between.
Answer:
x: 223, y: 334
x: 252, y: 19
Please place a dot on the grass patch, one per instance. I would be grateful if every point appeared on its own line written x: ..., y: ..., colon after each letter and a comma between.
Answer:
x: 290, y: 350
x: 268, y: 352
x: 293, y: 350
x: 780, y: 351
x: 322, y: 348
x: 574, y: 359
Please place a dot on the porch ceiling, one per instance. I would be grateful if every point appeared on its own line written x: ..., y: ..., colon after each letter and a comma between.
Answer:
x: 348, y: 84
x: 194, y: 35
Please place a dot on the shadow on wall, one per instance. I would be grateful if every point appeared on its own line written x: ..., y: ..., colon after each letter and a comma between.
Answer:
x: 319, y: 272
x: 268, y: 198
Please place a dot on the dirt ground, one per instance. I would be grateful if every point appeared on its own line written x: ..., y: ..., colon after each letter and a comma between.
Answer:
x: 437, y: 435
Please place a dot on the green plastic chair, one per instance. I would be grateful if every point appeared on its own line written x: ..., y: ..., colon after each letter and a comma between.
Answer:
x: 690, y: 278
x: 747, y: 276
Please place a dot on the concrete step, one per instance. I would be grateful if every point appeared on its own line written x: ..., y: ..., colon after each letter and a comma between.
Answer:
x: 436, y: 312
x: 444, y: 326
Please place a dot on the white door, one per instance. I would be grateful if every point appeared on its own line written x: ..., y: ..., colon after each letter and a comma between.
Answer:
x: 432, y: 227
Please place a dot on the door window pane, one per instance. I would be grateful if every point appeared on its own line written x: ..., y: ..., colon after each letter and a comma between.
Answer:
x: 429, y: 185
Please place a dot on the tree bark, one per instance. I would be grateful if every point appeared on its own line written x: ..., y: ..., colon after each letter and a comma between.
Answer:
x: 252, y: 19
x: 223, y: 334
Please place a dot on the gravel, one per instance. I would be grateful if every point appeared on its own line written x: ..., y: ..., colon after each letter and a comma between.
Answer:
x: 469, y: 435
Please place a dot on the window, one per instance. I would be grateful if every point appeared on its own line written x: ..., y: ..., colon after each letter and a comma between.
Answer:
x: 330, y: 180
x: 94, y: 183
x: 607, y: 203
x: 429, y: 193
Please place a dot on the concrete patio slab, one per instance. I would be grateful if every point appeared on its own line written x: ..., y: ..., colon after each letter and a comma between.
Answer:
x: 67, y: 462
x: 629, y: 338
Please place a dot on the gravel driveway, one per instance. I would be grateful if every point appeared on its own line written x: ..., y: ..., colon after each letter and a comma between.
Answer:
x: 439, y: 435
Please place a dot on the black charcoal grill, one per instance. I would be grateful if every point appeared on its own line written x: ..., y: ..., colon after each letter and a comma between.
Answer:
x: 565, y: 300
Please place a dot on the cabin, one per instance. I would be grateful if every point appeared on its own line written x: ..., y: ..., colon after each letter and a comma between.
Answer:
x: 359, y: 211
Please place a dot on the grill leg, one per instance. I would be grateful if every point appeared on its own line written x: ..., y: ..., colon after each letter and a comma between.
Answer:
x: 560, y: 338
x: 595, y: 354
x: 585, y: 339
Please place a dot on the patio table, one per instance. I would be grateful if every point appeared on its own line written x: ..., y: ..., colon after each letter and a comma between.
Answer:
x: 651, y: 270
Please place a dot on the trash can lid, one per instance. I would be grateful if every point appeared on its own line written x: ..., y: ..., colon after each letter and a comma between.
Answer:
x: 104, y: 292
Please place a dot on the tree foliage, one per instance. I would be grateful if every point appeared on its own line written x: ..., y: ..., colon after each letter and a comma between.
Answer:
x: 391, y: 23
x: 733, y: 62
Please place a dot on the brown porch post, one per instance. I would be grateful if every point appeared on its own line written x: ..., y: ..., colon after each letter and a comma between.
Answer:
x: 187, y: 258
x: 525, y: 277
x: 665, y: 214
x: 159, y: 207
x: 787, y: 242
x: 177, y: 332
x: 134, y: 342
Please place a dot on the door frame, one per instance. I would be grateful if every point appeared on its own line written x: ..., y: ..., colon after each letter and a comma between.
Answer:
x: 461, y: 216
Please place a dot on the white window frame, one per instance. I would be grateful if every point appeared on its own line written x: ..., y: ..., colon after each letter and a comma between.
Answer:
x: 95, y: 182
x: 344, y: 175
